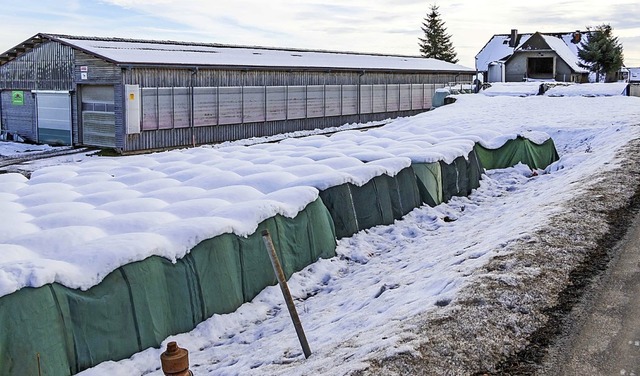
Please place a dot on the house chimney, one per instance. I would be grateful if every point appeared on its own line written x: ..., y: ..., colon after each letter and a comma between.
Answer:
x: 577, y: 37
x: 513, y: 41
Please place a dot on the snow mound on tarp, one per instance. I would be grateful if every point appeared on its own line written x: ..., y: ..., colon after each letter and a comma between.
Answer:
x: 63, y: 227
x: 77, y: 222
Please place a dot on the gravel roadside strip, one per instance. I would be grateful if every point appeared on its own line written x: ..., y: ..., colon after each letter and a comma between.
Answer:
x: 501, y: 325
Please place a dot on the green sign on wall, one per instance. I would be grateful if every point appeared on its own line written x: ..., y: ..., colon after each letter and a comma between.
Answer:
x: 17, y: 97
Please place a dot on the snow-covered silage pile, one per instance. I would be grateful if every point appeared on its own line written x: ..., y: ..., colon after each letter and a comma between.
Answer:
x: 107, y: 257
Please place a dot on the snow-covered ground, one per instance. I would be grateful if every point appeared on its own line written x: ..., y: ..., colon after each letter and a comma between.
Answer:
x: 588, y: 90
x: 557, y: 89
x: 361, y: 304
x: 517, y: 89
x: 16, y: 149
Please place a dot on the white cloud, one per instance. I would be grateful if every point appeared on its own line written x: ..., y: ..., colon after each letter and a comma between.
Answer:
x: 382, y: 26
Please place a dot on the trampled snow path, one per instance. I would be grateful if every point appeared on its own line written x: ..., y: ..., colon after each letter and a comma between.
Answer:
x: 361, y: 304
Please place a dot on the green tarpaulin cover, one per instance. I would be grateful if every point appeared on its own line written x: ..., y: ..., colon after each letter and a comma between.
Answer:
x: 140, y: 304
x: 519, y: 150
x: 64, y: 331
x: 378, y: 202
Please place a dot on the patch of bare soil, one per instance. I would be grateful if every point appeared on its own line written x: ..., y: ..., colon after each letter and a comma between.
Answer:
x: 506, y: 319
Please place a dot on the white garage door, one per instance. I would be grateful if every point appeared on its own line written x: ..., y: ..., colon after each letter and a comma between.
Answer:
x: 54, y: 117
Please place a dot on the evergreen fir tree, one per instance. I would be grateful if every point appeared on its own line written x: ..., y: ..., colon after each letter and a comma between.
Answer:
x: 601, y: 53
x: 436, y: 42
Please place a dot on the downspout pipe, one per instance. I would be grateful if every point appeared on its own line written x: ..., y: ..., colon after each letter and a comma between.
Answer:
x: 2, y: 126
x: 360, y: 95
x: 194, y: 72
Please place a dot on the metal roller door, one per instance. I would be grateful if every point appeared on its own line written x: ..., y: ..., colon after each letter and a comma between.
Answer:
x: 98, y: 116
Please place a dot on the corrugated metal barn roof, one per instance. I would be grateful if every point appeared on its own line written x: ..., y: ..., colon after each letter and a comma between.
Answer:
x: 142, y: 52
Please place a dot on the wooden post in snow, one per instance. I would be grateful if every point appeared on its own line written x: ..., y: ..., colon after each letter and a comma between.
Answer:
x: 282, y: 281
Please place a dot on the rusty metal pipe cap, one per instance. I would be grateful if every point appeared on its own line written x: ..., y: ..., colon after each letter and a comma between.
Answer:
x: 175, y: 361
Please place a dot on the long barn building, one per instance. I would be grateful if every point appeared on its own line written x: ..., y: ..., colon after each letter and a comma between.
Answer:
x: 134, y: 95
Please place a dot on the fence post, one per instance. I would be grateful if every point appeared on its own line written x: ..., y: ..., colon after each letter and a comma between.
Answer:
x: 277, y: 268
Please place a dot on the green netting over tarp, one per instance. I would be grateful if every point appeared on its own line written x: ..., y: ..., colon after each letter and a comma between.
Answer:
x: 429, y: 180
x: 475, y: 170
x: 140, y: 304
x: 384, y: 198
x: 373, y: 203
x: 298, y: 252
x: 438, y: 182
x: 378, y: 202
x: 155, y: 280
x: 461, y: 176
x: 216, y: 261
x: 403, y: 191
x: 98, y: 322
x: 454, y: 178
x: 29, y: 318
x: 519, y: 150
x: 339, y: 202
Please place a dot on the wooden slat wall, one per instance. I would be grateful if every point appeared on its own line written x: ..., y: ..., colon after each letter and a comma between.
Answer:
x: 181, y: 106
x: 46, y: 67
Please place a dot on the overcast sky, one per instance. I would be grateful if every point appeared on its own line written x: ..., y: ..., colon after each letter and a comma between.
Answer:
x: 380, y: 26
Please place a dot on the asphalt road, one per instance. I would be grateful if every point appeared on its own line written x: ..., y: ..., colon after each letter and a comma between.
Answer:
x: 605, y: 336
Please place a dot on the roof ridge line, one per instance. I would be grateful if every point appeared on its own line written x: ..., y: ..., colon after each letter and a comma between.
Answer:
x: 222, y: 45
